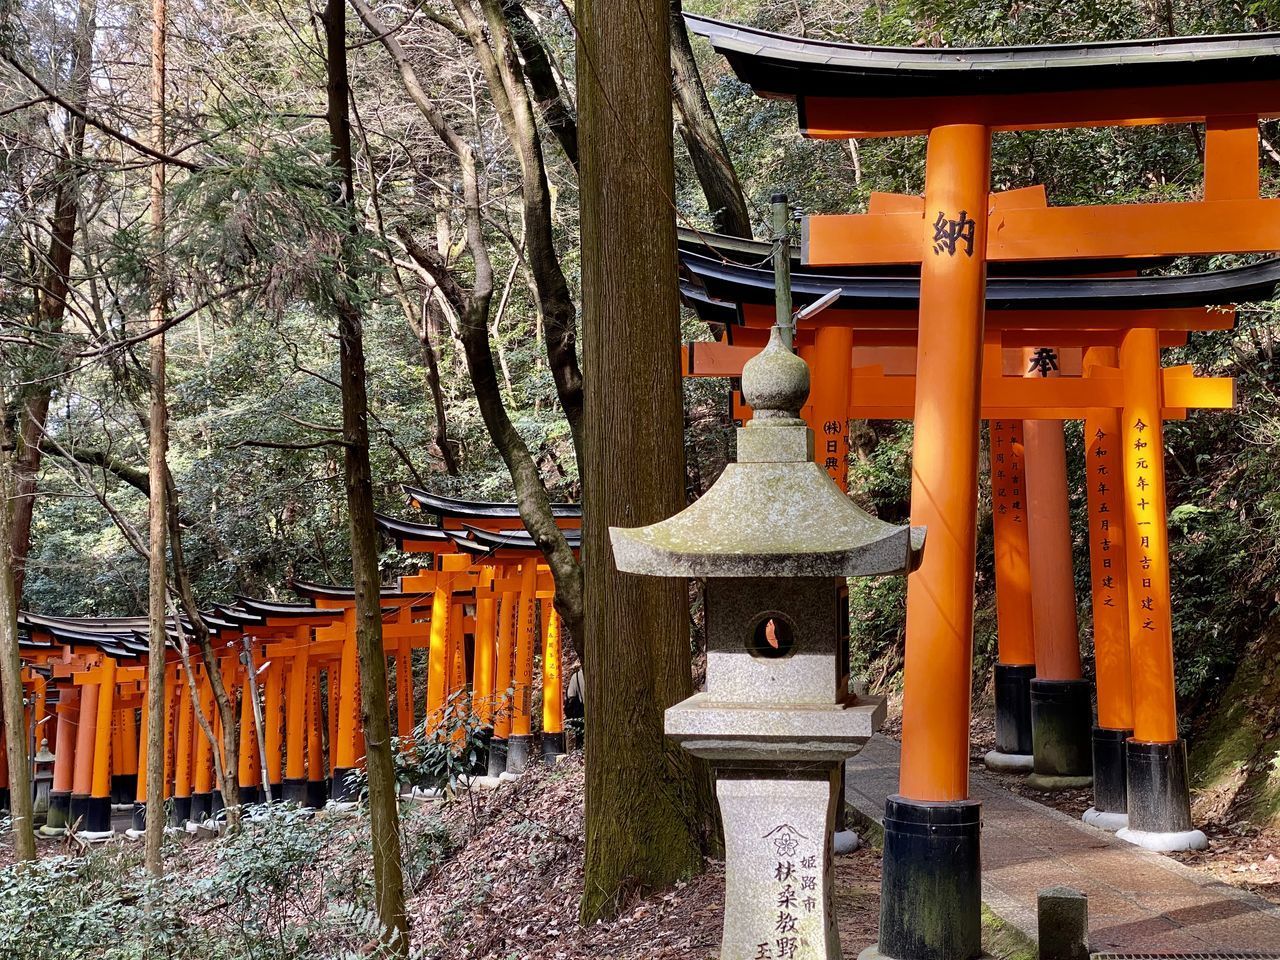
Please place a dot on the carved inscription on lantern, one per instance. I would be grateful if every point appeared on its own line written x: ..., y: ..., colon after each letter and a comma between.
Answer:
x: 795, y: 895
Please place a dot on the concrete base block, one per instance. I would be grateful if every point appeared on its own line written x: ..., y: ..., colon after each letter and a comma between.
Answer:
x: 1062, y: 924
x: 844, y: 842
x: 1105, y: 820
x: 1172, y: 842
x: 134, y: 834
x: 508, y: 777
x: 998, y: 762
x: 96, y: 836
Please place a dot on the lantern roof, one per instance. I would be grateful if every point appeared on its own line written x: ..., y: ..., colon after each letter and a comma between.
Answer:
x: 774, y: 512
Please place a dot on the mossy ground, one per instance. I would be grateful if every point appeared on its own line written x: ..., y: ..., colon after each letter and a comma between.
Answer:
x: 1234, y: 748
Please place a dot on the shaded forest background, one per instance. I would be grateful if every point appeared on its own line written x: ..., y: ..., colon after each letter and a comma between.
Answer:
x: 253, y: 365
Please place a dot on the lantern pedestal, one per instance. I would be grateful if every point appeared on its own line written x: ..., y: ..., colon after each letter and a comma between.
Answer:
x: 778, y: 876
x: 778, y: 783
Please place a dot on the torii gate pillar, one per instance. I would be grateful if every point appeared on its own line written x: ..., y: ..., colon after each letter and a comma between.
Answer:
x: 930, y: 903
x: 1158, y: 797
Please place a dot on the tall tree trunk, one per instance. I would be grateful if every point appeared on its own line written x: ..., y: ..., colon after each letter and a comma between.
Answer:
x: 472, y: 309
x: 637, y: 628
x: 388, y: 880
x: 33, y: 402
x: 158, y: 466
x: 505, y: 78
x: 702, y: 137
x: 15, y: 732
x: 224, y: 700
x: 556, y: 111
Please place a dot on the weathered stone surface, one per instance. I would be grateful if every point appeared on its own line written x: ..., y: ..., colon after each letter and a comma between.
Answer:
x: 1063, y: 916
x: 778, y: 877
x: 781, y: 519
x: 721, y: 731
x: 775, y: 382
x: 811, y: 607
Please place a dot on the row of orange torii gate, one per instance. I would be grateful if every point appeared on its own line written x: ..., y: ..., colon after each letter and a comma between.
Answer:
x: 481, y: 609
x: 940, y: 294
x: 1057, y: 348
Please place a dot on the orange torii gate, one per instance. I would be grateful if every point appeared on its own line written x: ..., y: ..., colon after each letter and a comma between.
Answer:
x: 881, y: 385
x: 475, y: 611
x: 497, y: 570
x: 958, y: 98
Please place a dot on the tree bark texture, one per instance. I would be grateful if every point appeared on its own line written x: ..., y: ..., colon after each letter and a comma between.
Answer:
x: 384, y: 816
x: 158, y: 468
x: 636, y: 628
x: 33, y: 402
x: 702, y: 137
x: 505, y: 78
x: 15, y: 731
x: 556, y: 111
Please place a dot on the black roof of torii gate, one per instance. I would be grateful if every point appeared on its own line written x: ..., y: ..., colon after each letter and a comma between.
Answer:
x: 726, y: 284
x: 794, y: 66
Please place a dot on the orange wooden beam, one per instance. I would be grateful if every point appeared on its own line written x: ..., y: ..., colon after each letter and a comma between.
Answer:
x: 1248, y: 225
x: 841, y: 118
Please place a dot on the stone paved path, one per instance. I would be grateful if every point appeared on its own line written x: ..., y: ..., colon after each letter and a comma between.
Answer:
x: 1138, y: 901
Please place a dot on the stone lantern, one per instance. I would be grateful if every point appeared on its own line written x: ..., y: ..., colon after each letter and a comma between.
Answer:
x: 43, y: 781
x: 775, y: 540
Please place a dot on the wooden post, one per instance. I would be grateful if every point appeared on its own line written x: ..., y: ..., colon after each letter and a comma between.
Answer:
x: 1159, y: 806
x: 271, y: 720
x: 245, y: 763
x: 404, y: 687
x: 182, y: 764
x: 502, y: 678
x: 525, y: 632
x: 315, y: 749
x: 1014, y: 622
x: 202, y: 772
x: 1108, y: 574
x: 1061, y: 702
x: 482, y: 686
x: 552, y: 685
x: 98, y: 818
x: 68, y: 714
x: 86, y: 736
x: 295, y: 770
x: 829, y: 400
x: 348, y: 754
x: 1056, y: 629
x: 438, y: 662
x: 934, y: 775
